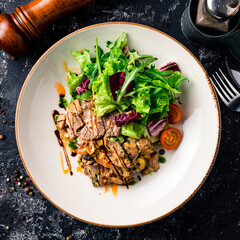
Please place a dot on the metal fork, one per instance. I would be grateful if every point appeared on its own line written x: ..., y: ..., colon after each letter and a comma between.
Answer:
x: 227, y: 92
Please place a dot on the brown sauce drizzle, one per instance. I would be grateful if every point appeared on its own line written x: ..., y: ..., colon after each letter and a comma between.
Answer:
x: 73, y: 154
x: 60, y: 142
x: 121, y: 160
x: 114, y: 189
x: 54, y: 113
x: 57, y: 133
x: 65, y: 171
x: 78, y: 113
x: 139, y: 178
x: 65, y: 67
x: 61, y: 106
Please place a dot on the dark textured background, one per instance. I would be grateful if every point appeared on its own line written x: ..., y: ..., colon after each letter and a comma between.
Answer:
x: 213, y: 213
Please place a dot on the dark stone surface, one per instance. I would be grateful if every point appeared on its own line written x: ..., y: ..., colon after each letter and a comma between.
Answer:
x: 213, y: 213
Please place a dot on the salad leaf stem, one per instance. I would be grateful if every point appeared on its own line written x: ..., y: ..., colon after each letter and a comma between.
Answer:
x: 97, y: 57
x: 130, y: 76
x: 127, y: 82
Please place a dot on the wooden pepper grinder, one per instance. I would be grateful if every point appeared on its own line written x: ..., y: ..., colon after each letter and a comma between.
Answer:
x: 28, y: 22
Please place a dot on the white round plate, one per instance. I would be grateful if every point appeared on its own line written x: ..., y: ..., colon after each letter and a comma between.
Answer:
x: 155, y: 196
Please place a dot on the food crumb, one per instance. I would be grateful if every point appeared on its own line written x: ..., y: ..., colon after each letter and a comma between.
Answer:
x: 5, y: 214
x: 2, y: 137
x: 69, y: 237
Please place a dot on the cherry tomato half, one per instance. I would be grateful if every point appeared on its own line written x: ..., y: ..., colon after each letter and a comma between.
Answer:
x: 174, y: 114
x: 170, y: 138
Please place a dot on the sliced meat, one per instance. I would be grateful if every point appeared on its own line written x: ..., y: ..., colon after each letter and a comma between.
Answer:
x: 87, y: 147
x: 61, y: 121
x: 111, y: 129
x: 74, y: 119
x: 103, y: 159
x: 121, y: 171
x: 153, y: 164
x: 93, y: 172
x: 114, y: 158
x: 83, y: 123
x: 116, y: 180
x: 109, y: 176
x: 94, y: 127
x: 85, y: 134
x: 118, y: 152
x: 131, y: 148
x: 145, y: 146
x: 115, y: 146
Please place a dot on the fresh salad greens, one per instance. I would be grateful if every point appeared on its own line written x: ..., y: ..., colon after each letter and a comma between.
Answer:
x: 127, y: 82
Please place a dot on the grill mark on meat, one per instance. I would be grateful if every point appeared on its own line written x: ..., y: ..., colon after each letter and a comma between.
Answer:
x: 70, y: 125
x: 116, y: 169
x: 77, y: 111
x: 126, y: 168
x: 91, y: 114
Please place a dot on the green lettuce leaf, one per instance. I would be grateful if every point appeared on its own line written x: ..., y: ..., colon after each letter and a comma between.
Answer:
x: 130, y: 76
x: 74, y: 80
x: 102, y: 96
x: 142, y: 102
x: 114, y: 62
x: 134, y: 56
x: 83, y: 59
x: 133, y: 130
x: 81, y: 96
x: 63, y: 101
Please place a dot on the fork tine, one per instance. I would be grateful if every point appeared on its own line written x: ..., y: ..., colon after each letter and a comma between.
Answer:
x: 219, y: 93
x: 230, y: 85
x: 230, y: 94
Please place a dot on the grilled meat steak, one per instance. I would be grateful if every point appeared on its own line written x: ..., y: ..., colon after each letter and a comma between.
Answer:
x: 104, y: 159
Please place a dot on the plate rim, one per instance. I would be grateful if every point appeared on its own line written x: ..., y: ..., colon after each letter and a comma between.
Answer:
x: 213, y: 92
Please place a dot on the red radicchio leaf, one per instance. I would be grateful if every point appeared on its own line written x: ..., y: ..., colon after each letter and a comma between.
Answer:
x: 125, y: 118
x: 83, y: 87
x: 170, y: 66
x: 126, y: 50
x: 115, y: 83
x: 157, y: 126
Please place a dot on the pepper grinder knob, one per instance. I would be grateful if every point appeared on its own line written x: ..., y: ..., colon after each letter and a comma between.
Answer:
x: 222, y: 10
